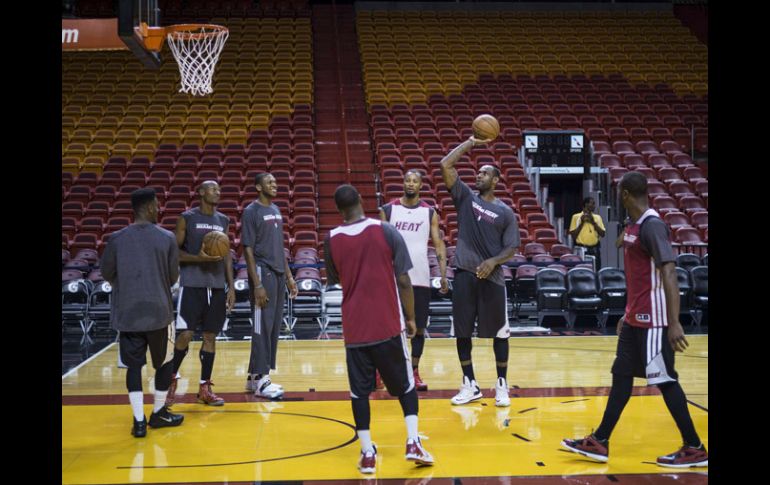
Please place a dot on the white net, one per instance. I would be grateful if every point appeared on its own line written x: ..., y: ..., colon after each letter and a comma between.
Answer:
x: 196, y: 51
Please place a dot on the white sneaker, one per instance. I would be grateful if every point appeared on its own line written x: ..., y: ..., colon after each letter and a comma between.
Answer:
x: 501, y: 393
x: 251, y: 385
x: 267, y: 389
x: 469, y: 392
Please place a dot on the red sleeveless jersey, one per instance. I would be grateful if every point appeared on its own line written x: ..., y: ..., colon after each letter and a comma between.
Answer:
x: 646, y: 300
x: 371, y: 309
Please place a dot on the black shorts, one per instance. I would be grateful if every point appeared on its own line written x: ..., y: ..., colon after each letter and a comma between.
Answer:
x: 645, y: 352
x: 133, y: 347
x: 474, y: 298
x: 421, y: 305
x: 391, y: 358
x: 201, y: 307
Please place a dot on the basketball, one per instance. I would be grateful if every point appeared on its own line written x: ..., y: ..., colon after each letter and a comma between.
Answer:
x: 486, y: 127
x: 216, y: 243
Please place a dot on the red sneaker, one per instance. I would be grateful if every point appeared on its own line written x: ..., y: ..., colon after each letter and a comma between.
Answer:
x: 171, y: 396
x: 418, y: 384
x: 207, y: 396
x: 378, y: 384
x: 416, y: 453
x: 589, y: 447
x: 367, y: 463
x: 686, y: 457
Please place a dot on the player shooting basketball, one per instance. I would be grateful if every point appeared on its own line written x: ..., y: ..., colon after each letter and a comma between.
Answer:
x: 488, y: 236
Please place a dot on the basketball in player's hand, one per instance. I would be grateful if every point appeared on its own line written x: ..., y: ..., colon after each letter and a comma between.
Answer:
x: 486, y: 127
x: 216, y: 243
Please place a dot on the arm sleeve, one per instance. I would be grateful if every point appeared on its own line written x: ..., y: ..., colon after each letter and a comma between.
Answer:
x: 656, y: 240
x: 332, y: 278
x: 402, y: 263
x: 248, y: 228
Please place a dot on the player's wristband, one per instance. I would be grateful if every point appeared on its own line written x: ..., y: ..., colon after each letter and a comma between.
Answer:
x: 258, y: 286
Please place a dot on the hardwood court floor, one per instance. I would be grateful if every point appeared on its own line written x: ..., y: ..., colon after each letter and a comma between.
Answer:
x: 562, y: 386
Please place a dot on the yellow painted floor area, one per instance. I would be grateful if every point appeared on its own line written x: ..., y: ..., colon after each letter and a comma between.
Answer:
x: 535, y: 362
x: 255, y: 441
x: 303, y: 440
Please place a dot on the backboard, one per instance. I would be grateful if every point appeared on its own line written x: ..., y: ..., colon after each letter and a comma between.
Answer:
x: 137, y: 23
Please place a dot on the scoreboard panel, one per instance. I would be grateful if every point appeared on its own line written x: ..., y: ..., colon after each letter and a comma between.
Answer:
x: 556, y: 148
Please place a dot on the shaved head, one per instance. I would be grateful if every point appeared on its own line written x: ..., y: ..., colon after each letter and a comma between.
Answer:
x: 493, y: 169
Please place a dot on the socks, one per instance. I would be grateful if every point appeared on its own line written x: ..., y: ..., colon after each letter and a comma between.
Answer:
x: 178, y: 358
x: 160, y: 400
x: 207, y: 364
x: 366, y: 440
x: 500, y: 347
x: 411, y: 427
x: 464, y: 347
x: 137, y: 404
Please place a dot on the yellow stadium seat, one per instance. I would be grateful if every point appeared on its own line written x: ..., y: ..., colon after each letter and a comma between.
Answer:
x: 93, y: 164
x: 237, y: 135
x: 215, y: 136
x: 171, y: 135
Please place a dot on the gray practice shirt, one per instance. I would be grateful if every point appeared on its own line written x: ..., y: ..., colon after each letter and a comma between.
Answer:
x: 484, y: 230
x: 197, y: 225
x: 141, y: 262
x: 262, y: 230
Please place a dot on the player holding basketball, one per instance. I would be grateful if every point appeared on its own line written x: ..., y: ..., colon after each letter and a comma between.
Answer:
x: 416, y: 221
x: 202, y: 300
x: 488, y: 236
x: 370, y: 260
x: 649, y: 331
x: 141, y: 262
x: 262, y: 239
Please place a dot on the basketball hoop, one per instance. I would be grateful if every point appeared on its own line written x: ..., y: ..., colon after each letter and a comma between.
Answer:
x: 196, y: 48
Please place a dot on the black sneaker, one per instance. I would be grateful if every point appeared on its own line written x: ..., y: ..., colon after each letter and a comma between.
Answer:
x: 140, y: 428
x: 164, y: 418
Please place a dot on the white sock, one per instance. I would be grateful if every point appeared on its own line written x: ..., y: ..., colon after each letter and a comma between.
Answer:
x: 160, y: 400
x: 411, y: 427
x: 202, y: 382
x: 365, y: 436
x: 137, y: 404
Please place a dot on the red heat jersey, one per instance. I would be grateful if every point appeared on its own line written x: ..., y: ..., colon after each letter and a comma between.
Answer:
x: 363, y: 260
x: 646, y: 300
